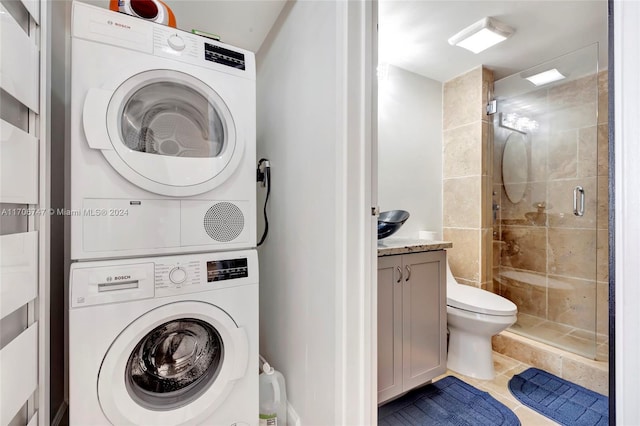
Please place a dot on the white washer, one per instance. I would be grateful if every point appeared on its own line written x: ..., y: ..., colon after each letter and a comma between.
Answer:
x: 164, y: 341
x: 162, y: 139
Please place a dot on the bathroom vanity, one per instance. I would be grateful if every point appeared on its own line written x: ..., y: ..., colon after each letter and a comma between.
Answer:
x: 412, y: 314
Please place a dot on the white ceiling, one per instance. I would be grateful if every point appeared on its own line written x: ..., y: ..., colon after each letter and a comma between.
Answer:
x: 413, y: 34
x: 241, y: 23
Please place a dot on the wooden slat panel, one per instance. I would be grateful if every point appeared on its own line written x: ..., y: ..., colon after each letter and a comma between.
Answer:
x: 18, y: 271
x: 10, y: 224
x: 33, y: 7
x: 19, y: 69
x: 34, y: 420
x: 18, y: 165
x: 18, y: 372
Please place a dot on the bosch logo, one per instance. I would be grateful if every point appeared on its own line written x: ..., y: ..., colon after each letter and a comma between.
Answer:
x: 122, y: 277
x: 119, y: 25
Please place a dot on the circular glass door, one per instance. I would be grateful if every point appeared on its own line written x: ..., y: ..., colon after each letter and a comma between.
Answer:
x: 174, y: 364
x: 171, y: 134
x: 173, y: 119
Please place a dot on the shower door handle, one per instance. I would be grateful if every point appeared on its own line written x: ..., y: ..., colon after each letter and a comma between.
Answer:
x: 578, y: 201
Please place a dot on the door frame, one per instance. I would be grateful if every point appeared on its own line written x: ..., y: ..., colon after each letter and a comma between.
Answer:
x: 624, y: 213
x: 356, y: 166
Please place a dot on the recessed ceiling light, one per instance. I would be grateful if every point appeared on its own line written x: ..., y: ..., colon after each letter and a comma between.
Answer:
x: 482, y: 35
x: 546, y: 77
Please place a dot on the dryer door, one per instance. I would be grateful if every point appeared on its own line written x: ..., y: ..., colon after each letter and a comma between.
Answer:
x: 165, y: 131
x: 173, y: 365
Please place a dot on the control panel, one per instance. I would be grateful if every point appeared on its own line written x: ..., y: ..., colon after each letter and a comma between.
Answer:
x: 185, y: 273
x: 101, y: 282
x: 118, y: 29
x: 175, y: 44
x: 223, y: 56
x: 177, y: 274
x: 220, y: 270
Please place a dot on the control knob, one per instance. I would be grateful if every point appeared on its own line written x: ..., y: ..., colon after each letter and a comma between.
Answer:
x: 177, y: 275
x: 176, y: 42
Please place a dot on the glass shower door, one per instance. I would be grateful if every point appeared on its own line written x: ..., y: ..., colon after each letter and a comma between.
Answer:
x: 550, y: 200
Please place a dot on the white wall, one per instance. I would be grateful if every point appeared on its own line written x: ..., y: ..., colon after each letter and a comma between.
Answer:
x: 297, y: 132
x: 410, y: 149
x: 315, y: 266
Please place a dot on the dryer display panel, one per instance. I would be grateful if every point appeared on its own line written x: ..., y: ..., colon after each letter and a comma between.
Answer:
x: 174, y: 364
x: 170, y: 118
x: 224, y: 56
x: 219, y: 270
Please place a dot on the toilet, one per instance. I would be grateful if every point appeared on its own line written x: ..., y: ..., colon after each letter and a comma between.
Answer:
x: 473, y: 316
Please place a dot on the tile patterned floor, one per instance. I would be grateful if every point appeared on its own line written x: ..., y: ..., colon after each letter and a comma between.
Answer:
x: 505, y: 369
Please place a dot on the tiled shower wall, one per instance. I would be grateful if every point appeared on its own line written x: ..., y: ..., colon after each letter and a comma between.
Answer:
x: 553, y: 265
x: 553, y: 280
x: 467, y: 170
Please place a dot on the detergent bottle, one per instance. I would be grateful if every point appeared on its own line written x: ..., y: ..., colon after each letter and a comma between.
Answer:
x: 273, y: 397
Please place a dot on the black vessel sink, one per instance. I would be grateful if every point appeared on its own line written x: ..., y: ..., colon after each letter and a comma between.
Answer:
x: 389, y: 222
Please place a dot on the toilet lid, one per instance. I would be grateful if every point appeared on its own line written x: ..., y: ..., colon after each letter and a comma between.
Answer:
x: 477, y: 300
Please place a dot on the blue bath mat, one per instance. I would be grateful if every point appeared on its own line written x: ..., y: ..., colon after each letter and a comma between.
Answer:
x: 447, y: 402
x: 565, y: 402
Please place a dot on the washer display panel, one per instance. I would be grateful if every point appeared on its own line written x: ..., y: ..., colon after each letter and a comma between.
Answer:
x: 174, y: 363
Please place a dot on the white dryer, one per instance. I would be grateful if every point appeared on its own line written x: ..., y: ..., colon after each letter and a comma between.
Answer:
x: 164, y: 341
x: 162, y: 139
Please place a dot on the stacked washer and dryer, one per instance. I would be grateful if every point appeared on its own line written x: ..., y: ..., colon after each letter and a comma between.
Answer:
x: 163, y: 313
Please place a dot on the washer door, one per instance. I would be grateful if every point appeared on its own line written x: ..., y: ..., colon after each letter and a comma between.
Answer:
x: 165, y: 131
x: 173, y: 365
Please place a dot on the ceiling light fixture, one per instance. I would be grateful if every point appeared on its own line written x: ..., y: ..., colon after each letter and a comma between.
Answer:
x: 546, y: 77
x: 482, y: 35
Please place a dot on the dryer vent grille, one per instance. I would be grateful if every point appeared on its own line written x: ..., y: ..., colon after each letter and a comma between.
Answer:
x: 223, y: 222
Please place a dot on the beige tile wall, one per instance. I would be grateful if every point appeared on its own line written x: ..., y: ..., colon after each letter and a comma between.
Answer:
x: 467, y: 176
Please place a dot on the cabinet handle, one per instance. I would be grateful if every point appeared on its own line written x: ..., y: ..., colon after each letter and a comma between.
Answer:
x: 399, y: 269
x: 408, y: 272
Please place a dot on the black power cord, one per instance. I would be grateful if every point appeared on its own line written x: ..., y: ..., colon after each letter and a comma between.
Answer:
x: 264, y: 177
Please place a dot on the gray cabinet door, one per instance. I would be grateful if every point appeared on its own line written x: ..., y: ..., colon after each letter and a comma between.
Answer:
x: 424, y: 318
x: 412, y: 321
x: 390, y: 282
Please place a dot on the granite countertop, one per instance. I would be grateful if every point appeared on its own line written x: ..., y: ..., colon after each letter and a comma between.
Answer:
x: 391, y: 246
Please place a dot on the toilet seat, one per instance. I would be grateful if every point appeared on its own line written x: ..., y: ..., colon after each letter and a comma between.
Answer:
x: 479, y: 301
